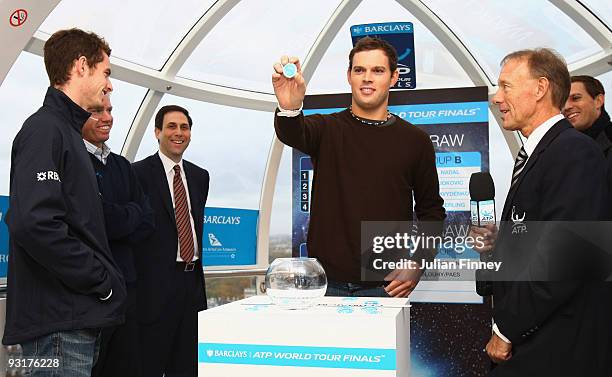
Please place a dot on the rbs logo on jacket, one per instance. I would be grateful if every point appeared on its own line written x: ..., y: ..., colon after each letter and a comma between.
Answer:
x: 47, y: 175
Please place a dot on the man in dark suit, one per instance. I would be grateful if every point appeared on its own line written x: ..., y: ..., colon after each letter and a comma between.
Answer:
x: 170, y: 277
x: 547, y: 316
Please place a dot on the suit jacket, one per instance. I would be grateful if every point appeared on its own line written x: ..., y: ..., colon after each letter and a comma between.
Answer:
x: 156, y: 261
x: 549, y: 306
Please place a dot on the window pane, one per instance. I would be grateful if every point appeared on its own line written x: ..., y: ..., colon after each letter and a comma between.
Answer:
x: 231, y: 143
x: 143, y: 32
x: 221, y: 291
x: 495, y: 28
x: 240, y: 50
x: 606, y: 81
x: 280, y: 223
x: 601, y: 8
x: 21, y: 94
x: 436, y: 67
x: 125, y: 98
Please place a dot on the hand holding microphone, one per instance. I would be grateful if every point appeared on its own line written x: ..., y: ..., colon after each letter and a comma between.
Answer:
x: 483, y: 229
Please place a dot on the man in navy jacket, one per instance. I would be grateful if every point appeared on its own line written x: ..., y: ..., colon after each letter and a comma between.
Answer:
x: 129, y: 220
x: 63, y: 283
x: 548, y: 316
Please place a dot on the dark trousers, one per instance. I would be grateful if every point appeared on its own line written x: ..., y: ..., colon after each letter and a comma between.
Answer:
x: 169, y: 346
x: 342, y: 289
x: 119, y: 349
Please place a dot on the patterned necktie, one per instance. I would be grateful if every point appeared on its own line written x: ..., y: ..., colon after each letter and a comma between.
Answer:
x: 519, y: 165
x: 181, y: 213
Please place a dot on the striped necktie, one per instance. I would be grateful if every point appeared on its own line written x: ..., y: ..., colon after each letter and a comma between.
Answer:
x: 181, y: 213
x: 519, y: 165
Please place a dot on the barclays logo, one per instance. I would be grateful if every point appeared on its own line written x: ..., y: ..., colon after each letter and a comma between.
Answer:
x: 212, y: 239
x: 388, y: 28
x: 222, y: 220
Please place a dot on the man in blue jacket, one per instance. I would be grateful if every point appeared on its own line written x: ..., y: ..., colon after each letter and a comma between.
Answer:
x: 63, y: 283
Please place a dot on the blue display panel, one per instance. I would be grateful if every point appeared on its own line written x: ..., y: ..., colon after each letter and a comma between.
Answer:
x: 229, y: 236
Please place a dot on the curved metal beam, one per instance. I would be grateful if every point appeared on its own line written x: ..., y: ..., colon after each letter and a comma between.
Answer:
x: 145, y: 113
x: 463, y: 56
x: 594, y: 27
x: 167, y: 75
x: 449, y: 40
x: 163, y: 83
x: 601, y: 62
x: 594, y: 65
x: 326, y: 36
x: 320, y: 46
x: 197, y: 33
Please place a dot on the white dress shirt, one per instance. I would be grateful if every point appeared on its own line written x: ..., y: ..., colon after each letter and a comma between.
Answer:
x: 534, y: 139
x: 169, y: 170
x: 100, y: 153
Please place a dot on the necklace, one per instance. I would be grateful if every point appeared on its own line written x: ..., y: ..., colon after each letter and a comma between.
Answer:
x: 370, y: 122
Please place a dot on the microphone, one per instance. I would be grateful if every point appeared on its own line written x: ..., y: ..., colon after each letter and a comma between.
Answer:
x: 482, y: 199
x: 482, y: 212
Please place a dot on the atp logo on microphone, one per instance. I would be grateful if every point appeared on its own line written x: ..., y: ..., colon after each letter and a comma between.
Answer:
x: 482, y: 212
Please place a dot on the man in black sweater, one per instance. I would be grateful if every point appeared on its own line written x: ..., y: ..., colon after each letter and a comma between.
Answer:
x: 368, y: 166
x: 129, y: 219
x: 585, y: 109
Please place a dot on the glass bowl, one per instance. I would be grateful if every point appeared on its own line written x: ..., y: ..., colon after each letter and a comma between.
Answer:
x: 295, y: 283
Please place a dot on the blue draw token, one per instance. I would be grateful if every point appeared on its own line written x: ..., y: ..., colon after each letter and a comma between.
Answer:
x: 289, y: 70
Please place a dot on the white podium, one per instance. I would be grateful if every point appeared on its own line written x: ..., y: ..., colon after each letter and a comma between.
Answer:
x: 339, y: 337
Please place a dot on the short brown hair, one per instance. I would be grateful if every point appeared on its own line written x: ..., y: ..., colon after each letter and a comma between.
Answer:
x: 159, y: 117
x: 371, y: 43
x: 546, y: 62
x: 591, y: 84
x: 66, y: 46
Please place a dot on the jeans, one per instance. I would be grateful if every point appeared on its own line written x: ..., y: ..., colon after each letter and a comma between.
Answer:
x: 335, y: 288
x: 77, y: 351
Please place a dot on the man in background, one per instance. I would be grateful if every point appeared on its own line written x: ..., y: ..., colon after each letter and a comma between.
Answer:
x: 585, y: 109
x: 170, y: 283
x: 129, y: 219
